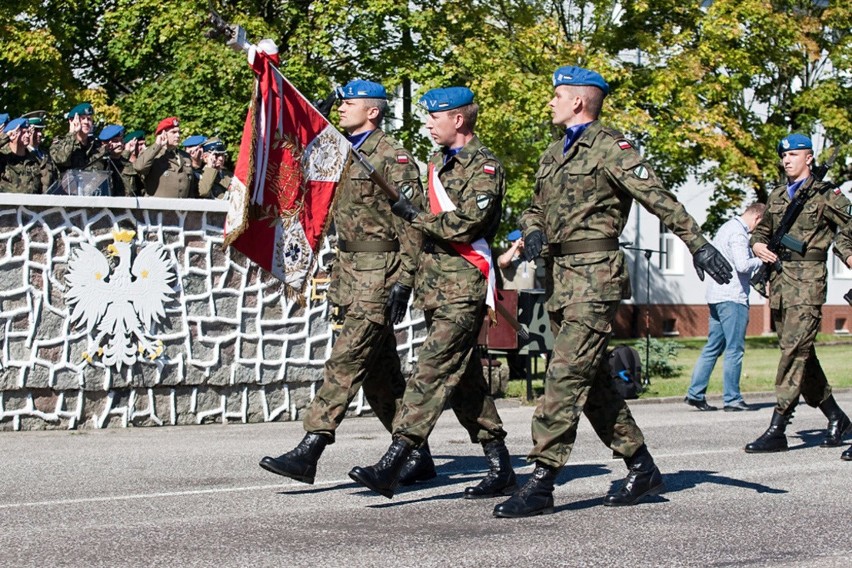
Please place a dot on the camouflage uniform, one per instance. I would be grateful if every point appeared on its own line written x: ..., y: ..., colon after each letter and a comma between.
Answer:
x: 49, y: 173
x: 125, y: 179
x: 214, y: 183
x: 365, y: 350
x: 20, y: 174
x: 452, y: 292
x: 798, y: 291
x: 67, y: 153
x: 166, y: 173
x: 582, y: 197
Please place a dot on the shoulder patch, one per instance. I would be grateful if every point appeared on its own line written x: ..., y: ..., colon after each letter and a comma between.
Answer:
x: 624, y: 144
x: 489, y: 169
x: 641, y: 172
x: 402, y: 158
x: 837, y: 191
x: 407, y: 190
x: 483, y: 200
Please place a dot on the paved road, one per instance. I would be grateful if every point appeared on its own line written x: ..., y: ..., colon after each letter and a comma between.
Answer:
x: 194, y: 496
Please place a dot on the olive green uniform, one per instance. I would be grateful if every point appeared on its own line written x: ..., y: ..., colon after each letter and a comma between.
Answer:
x: 452, y: 291
x: 68, y: 153
x: 581, y: 203
x: 166, y: 173
x: 375, y: 250
x: 214, y: 183
x: 797, y: 293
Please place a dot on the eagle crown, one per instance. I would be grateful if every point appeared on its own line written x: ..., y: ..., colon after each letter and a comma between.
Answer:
x: 123, y: 236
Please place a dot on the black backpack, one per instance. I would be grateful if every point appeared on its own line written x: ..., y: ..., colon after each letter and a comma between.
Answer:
x: 626, y: 371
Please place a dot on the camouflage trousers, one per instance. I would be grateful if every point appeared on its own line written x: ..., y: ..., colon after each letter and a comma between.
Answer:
x: 364, y: 354
x: 799, y: 371
x: 578, y: 381
x: 449, y: 369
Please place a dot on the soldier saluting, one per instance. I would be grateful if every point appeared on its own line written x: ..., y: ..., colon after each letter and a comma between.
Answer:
x: 78, y: 149
x: 797, y: 292
x: 166, y: 170
x: 585, y: 186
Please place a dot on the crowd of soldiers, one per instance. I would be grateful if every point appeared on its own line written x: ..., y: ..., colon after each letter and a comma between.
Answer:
x: 167, y: 168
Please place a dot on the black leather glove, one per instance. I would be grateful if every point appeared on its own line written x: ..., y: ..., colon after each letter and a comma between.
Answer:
x: 710, y: 259
x: 533, y: 243
x: 398, y: 302
x: 405, y: 209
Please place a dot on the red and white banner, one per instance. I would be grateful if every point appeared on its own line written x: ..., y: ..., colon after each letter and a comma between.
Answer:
x: 478, y: 253
x: 290, y: 162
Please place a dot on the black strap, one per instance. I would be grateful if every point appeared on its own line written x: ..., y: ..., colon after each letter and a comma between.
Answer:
x: 579, y: 247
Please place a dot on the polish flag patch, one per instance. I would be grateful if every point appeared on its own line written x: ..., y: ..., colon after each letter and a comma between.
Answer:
x: 488, y: 169
x: 837, y: 191
x: 624, y: 144
x: 401, y: 159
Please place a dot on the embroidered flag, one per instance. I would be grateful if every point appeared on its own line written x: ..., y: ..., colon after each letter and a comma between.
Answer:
x: 290, y: 162
x: 401, y: 159
x: 489, y: 169
x: 478, y: 252
x: 624, y: 144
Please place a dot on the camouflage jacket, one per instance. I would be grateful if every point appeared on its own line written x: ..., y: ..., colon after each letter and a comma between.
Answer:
x: 476, y: 183
x: 49, y: 173
x: 361, y: 212
x: 67, y: 153
x: 587, y: 194
x: 125, y: 179
x: 214, y: 183
x: 824, y: 219
x: 20, y: 174
x: 166, y: 173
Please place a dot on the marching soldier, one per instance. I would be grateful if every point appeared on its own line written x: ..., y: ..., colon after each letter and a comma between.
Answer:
x: 374, y: 267
x: 167, y: 170
x: 215, y: 179
x: 466, y: 188
x: 585, y: 186
x: 78, y: 149
x: 797, y: 292
x: 20, y: 171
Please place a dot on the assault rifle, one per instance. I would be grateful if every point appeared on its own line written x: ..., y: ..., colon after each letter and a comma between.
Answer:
x: 781, y: 242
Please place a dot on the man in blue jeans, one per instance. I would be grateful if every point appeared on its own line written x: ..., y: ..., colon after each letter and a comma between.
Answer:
x: 728, y: 313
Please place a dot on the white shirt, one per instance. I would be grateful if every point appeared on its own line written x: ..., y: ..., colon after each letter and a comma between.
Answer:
x: 732, y: 241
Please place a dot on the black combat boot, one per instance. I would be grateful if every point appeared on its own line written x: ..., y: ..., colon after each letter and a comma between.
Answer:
x: 501, y: 477
x: 773, y: 440
x: 838, y: 423
x: 644, y: 478
x: 300, y: 463
x: 418, y: 467
x: 534, y: 498
x: 847, y: 455
x: 384, y: 476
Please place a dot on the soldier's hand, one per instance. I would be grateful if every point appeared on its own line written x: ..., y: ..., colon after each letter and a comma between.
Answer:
x: 195, y: 156
x: 74, y: 125
x: 162, y: 139
x: 398, y: 302
x: 210, y: 160
x: 405, y: 209
x: 710, y: 259
x: 533, y: 244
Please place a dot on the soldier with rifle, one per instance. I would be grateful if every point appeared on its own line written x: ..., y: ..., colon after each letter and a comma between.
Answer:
x: 803, y: 218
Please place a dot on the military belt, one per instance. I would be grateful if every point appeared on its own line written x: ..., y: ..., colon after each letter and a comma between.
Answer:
x: 437, y: 247
x: 809, y: 256
x: 578, y: 247
x: 368, y: 246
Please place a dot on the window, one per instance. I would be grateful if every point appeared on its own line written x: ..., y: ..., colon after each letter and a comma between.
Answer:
x: 670, y: 327
x: 671, y: 261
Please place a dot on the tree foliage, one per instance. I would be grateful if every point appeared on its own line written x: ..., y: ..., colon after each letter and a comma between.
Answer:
x: 705, y: 88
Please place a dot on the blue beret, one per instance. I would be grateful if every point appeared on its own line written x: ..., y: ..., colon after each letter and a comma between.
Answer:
x: 84, y: 109
x: 359, y: 89
x: 214, y: 145
x: 449, y: 98
x: 578, y: 76
x: 4, y: 118
x: 110, y: 131
x: 794, y: 141
x: 15, y: 124
x: 514, y: 235
x: 193, y: 141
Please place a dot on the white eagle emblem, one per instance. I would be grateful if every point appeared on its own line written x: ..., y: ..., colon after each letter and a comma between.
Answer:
x: 123, y: 304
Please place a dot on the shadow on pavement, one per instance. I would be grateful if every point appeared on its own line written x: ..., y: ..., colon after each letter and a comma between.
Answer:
x: 688, y: 479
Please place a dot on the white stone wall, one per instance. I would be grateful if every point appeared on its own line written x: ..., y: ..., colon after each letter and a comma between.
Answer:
x: 235, y: 349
